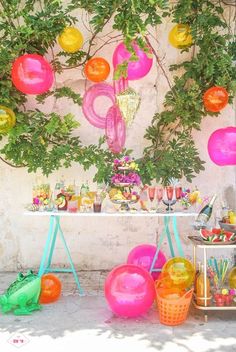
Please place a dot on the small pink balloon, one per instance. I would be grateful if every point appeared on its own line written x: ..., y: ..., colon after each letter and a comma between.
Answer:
x: 120, y: 85
x: 129, y: 290
x: 32, y: 74
x: 97, y: 90
x: 143, y: 255
x: 222, y: 146
x: 115, y: 130
x: 136, y: 69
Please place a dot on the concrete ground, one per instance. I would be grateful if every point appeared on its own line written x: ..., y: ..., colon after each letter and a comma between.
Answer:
x: 84, y: 324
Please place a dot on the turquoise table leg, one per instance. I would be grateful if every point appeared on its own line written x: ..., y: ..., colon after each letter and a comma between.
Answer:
x: 177, y: 237
x: 167, y: 230
x: 152, y: 269
x: 47, y: 246
x: 53, y: 245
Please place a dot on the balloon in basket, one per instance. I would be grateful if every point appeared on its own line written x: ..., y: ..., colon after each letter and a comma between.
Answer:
x: 215, y: 99
x: 32, y: 74
x: 222, y: 146
x: 50, y: 288
x: 97, y: 69
x: 129, y: 290
x: 71, y: 40
x: 136, y: 69
x: 97, y: 90
x: 7, y: 119
x: 143, y: 255
x: 115, y: 130
x: 180, y: 36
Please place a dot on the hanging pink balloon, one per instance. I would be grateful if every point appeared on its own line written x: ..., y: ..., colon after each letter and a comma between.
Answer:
x: 136, y: 69
x: 97, y: 90
x: 115, y: 130
x: 120, y: 85
x: 222, y: 146
x: 32, y: 74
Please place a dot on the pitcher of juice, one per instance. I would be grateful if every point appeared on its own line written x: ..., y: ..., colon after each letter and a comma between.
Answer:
x: 200, y: 292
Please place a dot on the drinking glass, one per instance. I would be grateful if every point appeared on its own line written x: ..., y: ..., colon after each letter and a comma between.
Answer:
x: 170, y: 199
x: 159, y: 192
x: 151, y: 194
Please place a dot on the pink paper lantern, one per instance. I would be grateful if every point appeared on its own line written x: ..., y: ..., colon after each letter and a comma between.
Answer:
x: 143, y: 255
x: 136, y: 69
x: 32, y: 74
x: 222, y: 146
x: 115, y: 130
x: 129, y: 290
x: 97, y: 90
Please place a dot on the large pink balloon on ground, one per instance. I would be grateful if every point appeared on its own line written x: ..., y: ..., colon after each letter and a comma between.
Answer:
x: 129, y: 290
x: 115, y: 130
x: 143, y: 255
x: 222, y: 146
x: 97, y: 90
x: 32, y: 74
x: 136, y: 69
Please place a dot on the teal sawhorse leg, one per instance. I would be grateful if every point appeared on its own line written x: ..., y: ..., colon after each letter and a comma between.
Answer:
x: 166, y: 233
x: 54, y: 229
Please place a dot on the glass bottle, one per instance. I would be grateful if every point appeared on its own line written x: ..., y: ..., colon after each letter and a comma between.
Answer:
x: 205, y: 214
x: 200, y: 292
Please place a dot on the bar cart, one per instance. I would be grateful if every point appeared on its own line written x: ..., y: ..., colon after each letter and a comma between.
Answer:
x: 199, y: 244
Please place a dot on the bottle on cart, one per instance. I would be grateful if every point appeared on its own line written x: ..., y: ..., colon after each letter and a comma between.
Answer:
x: 200, y: 291
x: 205, y: 214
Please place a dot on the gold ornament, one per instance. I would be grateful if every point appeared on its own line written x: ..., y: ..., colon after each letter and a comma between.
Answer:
x: 128, y: 102
x: 7, y: 119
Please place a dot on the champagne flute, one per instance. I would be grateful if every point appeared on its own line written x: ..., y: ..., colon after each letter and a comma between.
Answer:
x: 169, y: 194
x: 151, y: 194
x: 159, y: 192
x: 178, y: 193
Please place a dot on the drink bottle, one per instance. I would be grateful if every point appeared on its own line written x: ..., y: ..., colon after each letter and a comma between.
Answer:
x: 205, y: 214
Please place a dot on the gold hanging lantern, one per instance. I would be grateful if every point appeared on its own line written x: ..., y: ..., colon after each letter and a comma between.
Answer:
x: 128, y: 102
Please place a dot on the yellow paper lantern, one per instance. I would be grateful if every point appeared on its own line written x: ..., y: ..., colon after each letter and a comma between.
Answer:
x: 7, y: 119
x: 180, y: 37
x: 71, y: 40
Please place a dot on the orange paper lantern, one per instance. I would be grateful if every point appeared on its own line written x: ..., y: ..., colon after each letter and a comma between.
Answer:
x: 97, y: 69
x: 215, y: 99
x: 50, y: 288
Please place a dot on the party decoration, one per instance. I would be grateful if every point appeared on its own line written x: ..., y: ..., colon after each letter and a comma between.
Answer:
x: 97, y: 69
x: 128, y: 102
x: 50, y: 288
x: 22, y: 295
x: 222, y: 146
x: 32, y: 74
x: 136, y: 69
x: 7, y: 119
x: 97, y: 90
x: 232, y: 278
x: 129, y: 290
x: 215, y: 99
x: 120, y: 85
x: 143, y: 255
x: 177, y: 272
x: 180, y: 37
x: 115, y: 130
x: 71, y: 40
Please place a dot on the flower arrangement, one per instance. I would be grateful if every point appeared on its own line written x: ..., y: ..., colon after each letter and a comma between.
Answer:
x: 126, y: 162
x: 131, y: 178
x: 189, y: 197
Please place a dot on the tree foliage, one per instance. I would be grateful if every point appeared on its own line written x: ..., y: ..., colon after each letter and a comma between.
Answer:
x: 50, y: 141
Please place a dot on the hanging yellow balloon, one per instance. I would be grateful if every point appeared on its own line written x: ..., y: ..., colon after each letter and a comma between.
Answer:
x: 180, y: 36
x: 7, y: 119
x: 71, y: 40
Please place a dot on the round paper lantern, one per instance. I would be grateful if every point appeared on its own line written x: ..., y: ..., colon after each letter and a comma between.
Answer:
x: 129, y: 290
x: 222, y: 146
x: 7, y: 119
x: 143, y: 255
x: 97, y: 69
x: 97, y: 90
x: 50, y: 288
x: 71, y: 40
x: 136, y: 69
x: 177, y: 272
x: 180, y: 37
x: 115, y: 130
x: 32, y: 74
x: 215, y: 99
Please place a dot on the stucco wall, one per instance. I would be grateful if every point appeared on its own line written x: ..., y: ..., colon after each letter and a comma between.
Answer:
x: 101, y: 244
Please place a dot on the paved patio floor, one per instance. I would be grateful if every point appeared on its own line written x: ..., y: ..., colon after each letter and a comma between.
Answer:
x: 84, y: 324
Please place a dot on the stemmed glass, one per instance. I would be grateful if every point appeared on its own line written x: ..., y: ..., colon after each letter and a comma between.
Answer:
x: 159, y: 192
x: 178, y: 193
x: 151, y: 194
x: 170, y: 197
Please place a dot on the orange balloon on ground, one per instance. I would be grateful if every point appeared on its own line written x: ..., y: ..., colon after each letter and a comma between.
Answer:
x: 215, y: 99
x: 97, y: 69
x: 50, y: 288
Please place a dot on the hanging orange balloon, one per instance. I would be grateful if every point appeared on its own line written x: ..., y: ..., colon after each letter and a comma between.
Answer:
x: 215, y: 99
x: 50, y: 288
x: 180, y: 36
x: 7, y: 119
x: 71, y: 40
x: 97, y: 69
